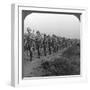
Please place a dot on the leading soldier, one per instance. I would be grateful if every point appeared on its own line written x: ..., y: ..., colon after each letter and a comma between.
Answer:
x: 30, y: 42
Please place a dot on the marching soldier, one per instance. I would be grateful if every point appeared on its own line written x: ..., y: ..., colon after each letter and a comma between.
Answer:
x: 44, y: 44
x: 49, y: 44
x: 38, y: 41
x: 29, y: 42
x: 54, y: 43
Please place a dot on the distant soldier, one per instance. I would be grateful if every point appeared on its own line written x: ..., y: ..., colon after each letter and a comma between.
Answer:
x: 54, y: 43
x: 49, y: 44
x: 44, y: 44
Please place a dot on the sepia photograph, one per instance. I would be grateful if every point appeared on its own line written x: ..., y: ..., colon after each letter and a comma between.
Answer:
x: 50, y: 43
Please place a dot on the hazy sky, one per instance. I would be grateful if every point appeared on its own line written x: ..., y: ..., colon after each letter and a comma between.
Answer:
x: 60, y: 24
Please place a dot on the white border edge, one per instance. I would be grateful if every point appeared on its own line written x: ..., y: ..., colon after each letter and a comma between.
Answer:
x: 14, y: 43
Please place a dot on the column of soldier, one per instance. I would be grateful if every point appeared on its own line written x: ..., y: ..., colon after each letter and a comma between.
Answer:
x: 41, y: 44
